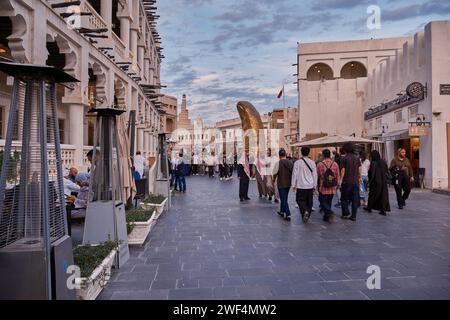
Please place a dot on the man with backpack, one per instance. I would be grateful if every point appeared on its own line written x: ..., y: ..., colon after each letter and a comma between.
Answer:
x: 304, y: 180
x: 329, y: 177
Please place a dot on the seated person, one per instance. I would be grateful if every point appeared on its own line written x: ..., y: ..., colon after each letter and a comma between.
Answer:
x: 70, y: 187
x: 80, y: 203
x: 71, y: 174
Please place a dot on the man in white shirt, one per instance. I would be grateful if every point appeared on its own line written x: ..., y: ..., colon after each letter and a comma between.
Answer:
x: 269, y: 180
x: 304, y: 181
x: 174, y: 164
x: 139, y: 164
x: 211, y: 162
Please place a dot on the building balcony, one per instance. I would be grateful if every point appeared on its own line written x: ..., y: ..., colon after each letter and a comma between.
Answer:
x: 94, y: 21
x: 119, y: 47
x: 67, y: 154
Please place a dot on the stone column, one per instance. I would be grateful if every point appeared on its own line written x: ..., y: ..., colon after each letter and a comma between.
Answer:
x: 139, y: 139
x: 125, y: 31
x: 147, y: 69
x: 133, y: 44
x: 76, y: 134
x: 106, y: 13
x: 140, y: 59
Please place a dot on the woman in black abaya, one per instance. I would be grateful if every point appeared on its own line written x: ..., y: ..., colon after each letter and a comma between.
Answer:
x: 378, y: 185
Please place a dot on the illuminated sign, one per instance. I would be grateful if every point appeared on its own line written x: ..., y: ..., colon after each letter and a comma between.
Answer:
x: 418, y: 131
x: 415, y: 92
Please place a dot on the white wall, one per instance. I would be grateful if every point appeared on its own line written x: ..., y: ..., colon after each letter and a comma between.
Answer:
x: 423, y: 58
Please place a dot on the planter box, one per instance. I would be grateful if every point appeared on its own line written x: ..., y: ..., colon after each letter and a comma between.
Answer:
x: 141, y: 231
x: 158, y: 207
x: 94, y: 284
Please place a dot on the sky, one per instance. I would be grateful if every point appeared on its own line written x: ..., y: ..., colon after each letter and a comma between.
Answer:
x: 219, y: 52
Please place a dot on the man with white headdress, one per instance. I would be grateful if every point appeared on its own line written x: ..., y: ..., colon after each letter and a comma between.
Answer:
x: 69, y: 185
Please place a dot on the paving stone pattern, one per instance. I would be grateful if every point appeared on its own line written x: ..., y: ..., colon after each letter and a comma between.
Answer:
x: 211, y: 246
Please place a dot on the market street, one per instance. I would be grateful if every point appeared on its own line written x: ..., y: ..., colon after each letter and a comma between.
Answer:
x: 210, y: 246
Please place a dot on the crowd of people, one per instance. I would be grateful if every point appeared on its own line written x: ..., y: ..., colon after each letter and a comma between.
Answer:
x: 356, y: 180
x: 199, y: 165
x: 76, y: 184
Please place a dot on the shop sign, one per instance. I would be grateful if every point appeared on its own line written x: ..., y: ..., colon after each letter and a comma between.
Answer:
x: 415, y: 92
x: 445, y: 89
x: 418, y: 131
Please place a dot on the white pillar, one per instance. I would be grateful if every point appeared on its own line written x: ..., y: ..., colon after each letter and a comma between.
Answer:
x: 147, y: 70
x: 40, y: 53
x: 125, y: 31
x: 133, y: 43
x: 76, y: 126
x: 140, y: 141
x: 140, y: 60
x: 106, y: 13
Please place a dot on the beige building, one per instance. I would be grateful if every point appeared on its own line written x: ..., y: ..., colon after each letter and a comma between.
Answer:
x: 395, y: 90
x: 285, y: 120
x: 169, y: 116
x: 332, y: 80
x: 113, y: 49
x: 192, y: 136
x: 408, y: 98
x: 227, y: 134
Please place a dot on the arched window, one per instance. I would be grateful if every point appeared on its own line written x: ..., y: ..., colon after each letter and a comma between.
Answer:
x: 320, y: 71
x: 353, y: 70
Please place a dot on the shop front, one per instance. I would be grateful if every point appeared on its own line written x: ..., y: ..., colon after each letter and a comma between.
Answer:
x: 410, y: 139
x: 399, y: 125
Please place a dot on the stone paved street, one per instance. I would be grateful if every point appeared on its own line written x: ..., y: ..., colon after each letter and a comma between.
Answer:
x: 210, y: 246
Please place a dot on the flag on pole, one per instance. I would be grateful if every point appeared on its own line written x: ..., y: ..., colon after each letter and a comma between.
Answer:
x: 281, y: 93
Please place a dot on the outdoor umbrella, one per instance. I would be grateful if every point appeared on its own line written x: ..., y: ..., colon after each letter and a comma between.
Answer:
x: 337, y: 140
x: 129, y: 187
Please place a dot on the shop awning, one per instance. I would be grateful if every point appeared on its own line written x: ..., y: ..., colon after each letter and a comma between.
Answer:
x: 396, y: 135
x: 333, y: 141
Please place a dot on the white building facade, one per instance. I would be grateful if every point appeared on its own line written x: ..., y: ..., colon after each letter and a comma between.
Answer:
x: 332, y: 80
x: 408, y: 99
x: 114, y: 50
x: 396, y: 90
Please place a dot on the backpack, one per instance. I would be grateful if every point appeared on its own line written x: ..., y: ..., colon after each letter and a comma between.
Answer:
x: 329, y: 178
x: 180, y: 171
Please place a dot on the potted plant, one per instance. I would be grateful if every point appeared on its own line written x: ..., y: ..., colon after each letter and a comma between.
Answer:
x: 95, y: 263
x: 154, y: 201
x: 139, y: 224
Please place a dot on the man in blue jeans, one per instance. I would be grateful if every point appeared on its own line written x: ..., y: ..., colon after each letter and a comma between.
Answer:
x: 181, y: 174
x: 350, y: 181
x: 283, y: 176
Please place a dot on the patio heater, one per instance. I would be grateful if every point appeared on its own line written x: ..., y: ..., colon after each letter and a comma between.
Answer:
x: 35, y: 248
x: 105, y: 213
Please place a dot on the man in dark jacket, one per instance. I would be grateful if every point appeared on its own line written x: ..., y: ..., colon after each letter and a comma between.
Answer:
x: 283, y: 175
x: 350, y: 181
x: 181, y: 173
x: 403, y: 176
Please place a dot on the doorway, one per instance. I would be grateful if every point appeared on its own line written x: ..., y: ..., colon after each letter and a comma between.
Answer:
x: 412, y: 147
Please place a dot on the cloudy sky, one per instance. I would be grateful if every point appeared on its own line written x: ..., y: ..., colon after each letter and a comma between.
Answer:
x: 219, y: 52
